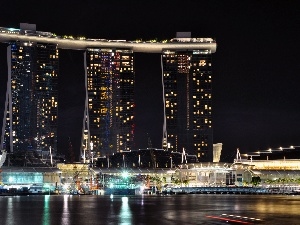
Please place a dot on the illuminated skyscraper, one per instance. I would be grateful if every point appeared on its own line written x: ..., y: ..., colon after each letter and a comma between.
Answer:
x: 31, y: 98
x: 108, y: 123
x: 187, y: 86
x: 109, y: 110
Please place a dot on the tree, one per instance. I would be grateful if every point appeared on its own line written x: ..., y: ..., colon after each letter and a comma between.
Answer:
x: 176, y: 181
x: 245, y: 183
x: 255, y: 181
x: 186, y: 182
x: 157, y: 181
x: 269, y: 181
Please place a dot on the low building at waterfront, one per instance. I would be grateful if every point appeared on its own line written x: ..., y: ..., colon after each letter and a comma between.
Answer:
x: 18, y: 177
x: 152, y: 169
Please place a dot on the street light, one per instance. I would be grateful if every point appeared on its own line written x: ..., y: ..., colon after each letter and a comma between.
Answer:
x: 265, y: 151
x: 282, y: 148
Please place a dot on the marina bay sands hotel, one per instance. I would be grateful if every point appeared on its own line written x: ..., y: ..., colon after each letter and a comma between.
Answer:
x: 32, y: 104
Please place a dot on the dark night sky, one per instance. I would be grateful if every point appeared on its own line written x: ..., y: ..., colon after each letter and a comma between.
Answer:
x: 255, y: 69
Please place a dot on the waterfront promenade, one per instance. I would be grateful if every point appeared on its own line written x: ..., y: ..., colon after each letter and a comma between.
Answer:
x: 232, y: 190
x: 292, y: 190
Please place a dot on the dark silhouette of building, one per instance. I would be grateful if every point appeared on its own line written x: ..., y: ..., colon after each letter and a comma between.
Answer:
x: 145, y: 158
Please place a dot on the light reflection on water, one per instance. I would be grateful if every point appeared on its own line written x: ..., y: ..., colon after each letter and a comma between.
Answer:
x: 144, y: 210
x: 125, y: 213
x: 46, y: 213
x: 65, y: 212
x: 9, y: 214
x: 287, y: 206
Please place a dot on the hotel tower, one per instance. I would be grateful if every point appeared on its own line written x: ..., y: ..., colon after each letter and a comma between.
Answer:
x: 187, y: 96
x: 30, y: 117
x: 108, y: 122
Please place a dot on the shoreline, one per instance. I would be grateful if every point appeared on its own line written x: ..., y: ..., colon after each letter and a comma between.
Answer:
x: 230, y: 190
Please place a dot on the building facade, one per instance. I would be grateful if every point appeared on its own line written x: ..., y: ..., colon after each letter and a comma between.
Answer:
x: 187, y: 86
x: 109, y: 110
x: 217, y: 150
x: 31, y: 98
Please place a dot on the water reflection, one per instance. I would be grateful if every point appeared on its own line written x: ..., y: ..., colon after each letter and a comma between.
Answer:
x: 284, y: 206
x: 65, y: 219
x: 162, y: 210
x: 9, y: 214
x: 125, y: 217
x: 46, y: 214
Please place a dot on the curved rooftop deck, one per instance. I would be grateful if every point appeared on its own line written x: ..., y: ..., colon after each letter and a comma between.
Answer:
x: 68, y: 42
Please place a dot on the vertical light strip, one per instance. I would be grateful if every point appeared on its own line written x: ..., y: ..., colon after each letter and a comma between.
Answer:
x: 86, y: 121
x: 165, y: 141
x: 4, y: 118
x: 86, y: 101
x: 8, y: 94
x: 9, y: 98
x: 188, y: 100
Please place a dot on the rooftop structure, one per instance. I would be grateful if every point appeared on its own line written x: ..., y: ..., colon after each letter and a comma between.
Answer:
x: 82, y: 43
